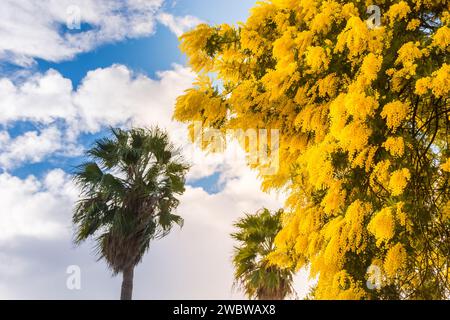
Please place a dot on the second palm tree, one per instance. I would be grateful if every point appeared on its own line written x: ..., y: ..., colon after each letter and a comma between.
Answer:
x: 253, y: 272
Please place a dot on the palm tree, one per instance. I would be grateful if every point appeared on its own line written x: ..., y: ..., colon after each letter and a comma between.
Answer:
x: 128, y: 192
x: 253, y: 273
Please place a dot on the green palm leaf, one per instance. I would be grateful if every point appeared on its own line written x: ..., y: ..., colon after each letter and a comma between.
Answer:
x: 253, y: 273
x: 129, y: 190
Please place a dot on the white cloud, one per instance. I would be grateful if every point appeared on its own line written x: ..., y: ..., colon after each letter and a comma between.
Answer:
x: 59, y: 30
x: 32, y: 29
x: 111, y: 96
x: 106, y: 96
x: 35, y: 208
x: 40, y: 98
x: 178, y: 25
x: 34, y: 146
x: 128, y: 97
x: 191, y: 263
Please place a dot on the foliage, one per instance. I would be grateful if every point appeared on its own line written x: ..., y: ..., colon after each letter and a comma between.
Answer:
x: 364, y: 118
x: 129, y: 191
x: 253, y: 271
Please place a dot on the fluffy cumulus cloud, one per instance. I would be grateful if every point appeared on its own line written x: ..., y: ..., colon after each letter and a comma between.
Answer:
x: 59, y: 30
x: 61, y: 114
x: 40, y: 98
x: 32, y: 29
x: 34, y: 146
x: 128, y: 97
x: 35, y: 208
x: 49, y: 97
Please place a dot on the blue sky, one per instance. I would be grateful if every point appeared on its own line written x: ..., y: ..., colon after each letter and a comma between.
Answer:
x: 157, y: 51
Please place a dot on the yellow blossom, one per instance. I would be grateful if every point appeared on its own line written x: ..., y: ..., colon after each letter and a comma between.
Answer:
x: 398, y: 11
x: 334, y: 199
x: 316, y: 58
x: 322, y: 22
x: 342, y: 96
x: 442, y: 38
x: 355, y: 37
x: 395, y: 146
x: 446, y: 166
x: 369, y: 69
x: 440, y: 83
x: 402, y: 217
x: 399, y: 181
x: 413, y: 24
x: 394, y: 113
x: 395, y: 260
x: 382, y: 226
x: 422, y: 85
x: 407, y: 55
x: 380, y: 175
x: 359, y: 105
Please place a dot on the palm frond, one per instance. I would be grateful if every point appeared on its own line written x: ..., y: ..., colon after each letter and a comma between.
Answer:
x: 128, y: 194
x: 253, y: 273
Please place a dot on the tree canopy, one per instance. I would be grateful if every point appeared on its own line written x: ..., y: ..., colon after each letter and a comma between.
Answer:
x: 363, y: 114
x: 129, y: 190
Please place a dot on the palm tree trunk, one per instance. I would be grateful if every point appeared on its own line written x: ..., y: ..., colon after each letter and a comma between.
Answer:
x: 127, y: 284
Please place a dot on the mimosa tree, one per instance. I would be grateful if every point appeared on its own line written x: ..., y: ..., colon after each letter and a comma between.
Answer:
x: 363, y: 113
